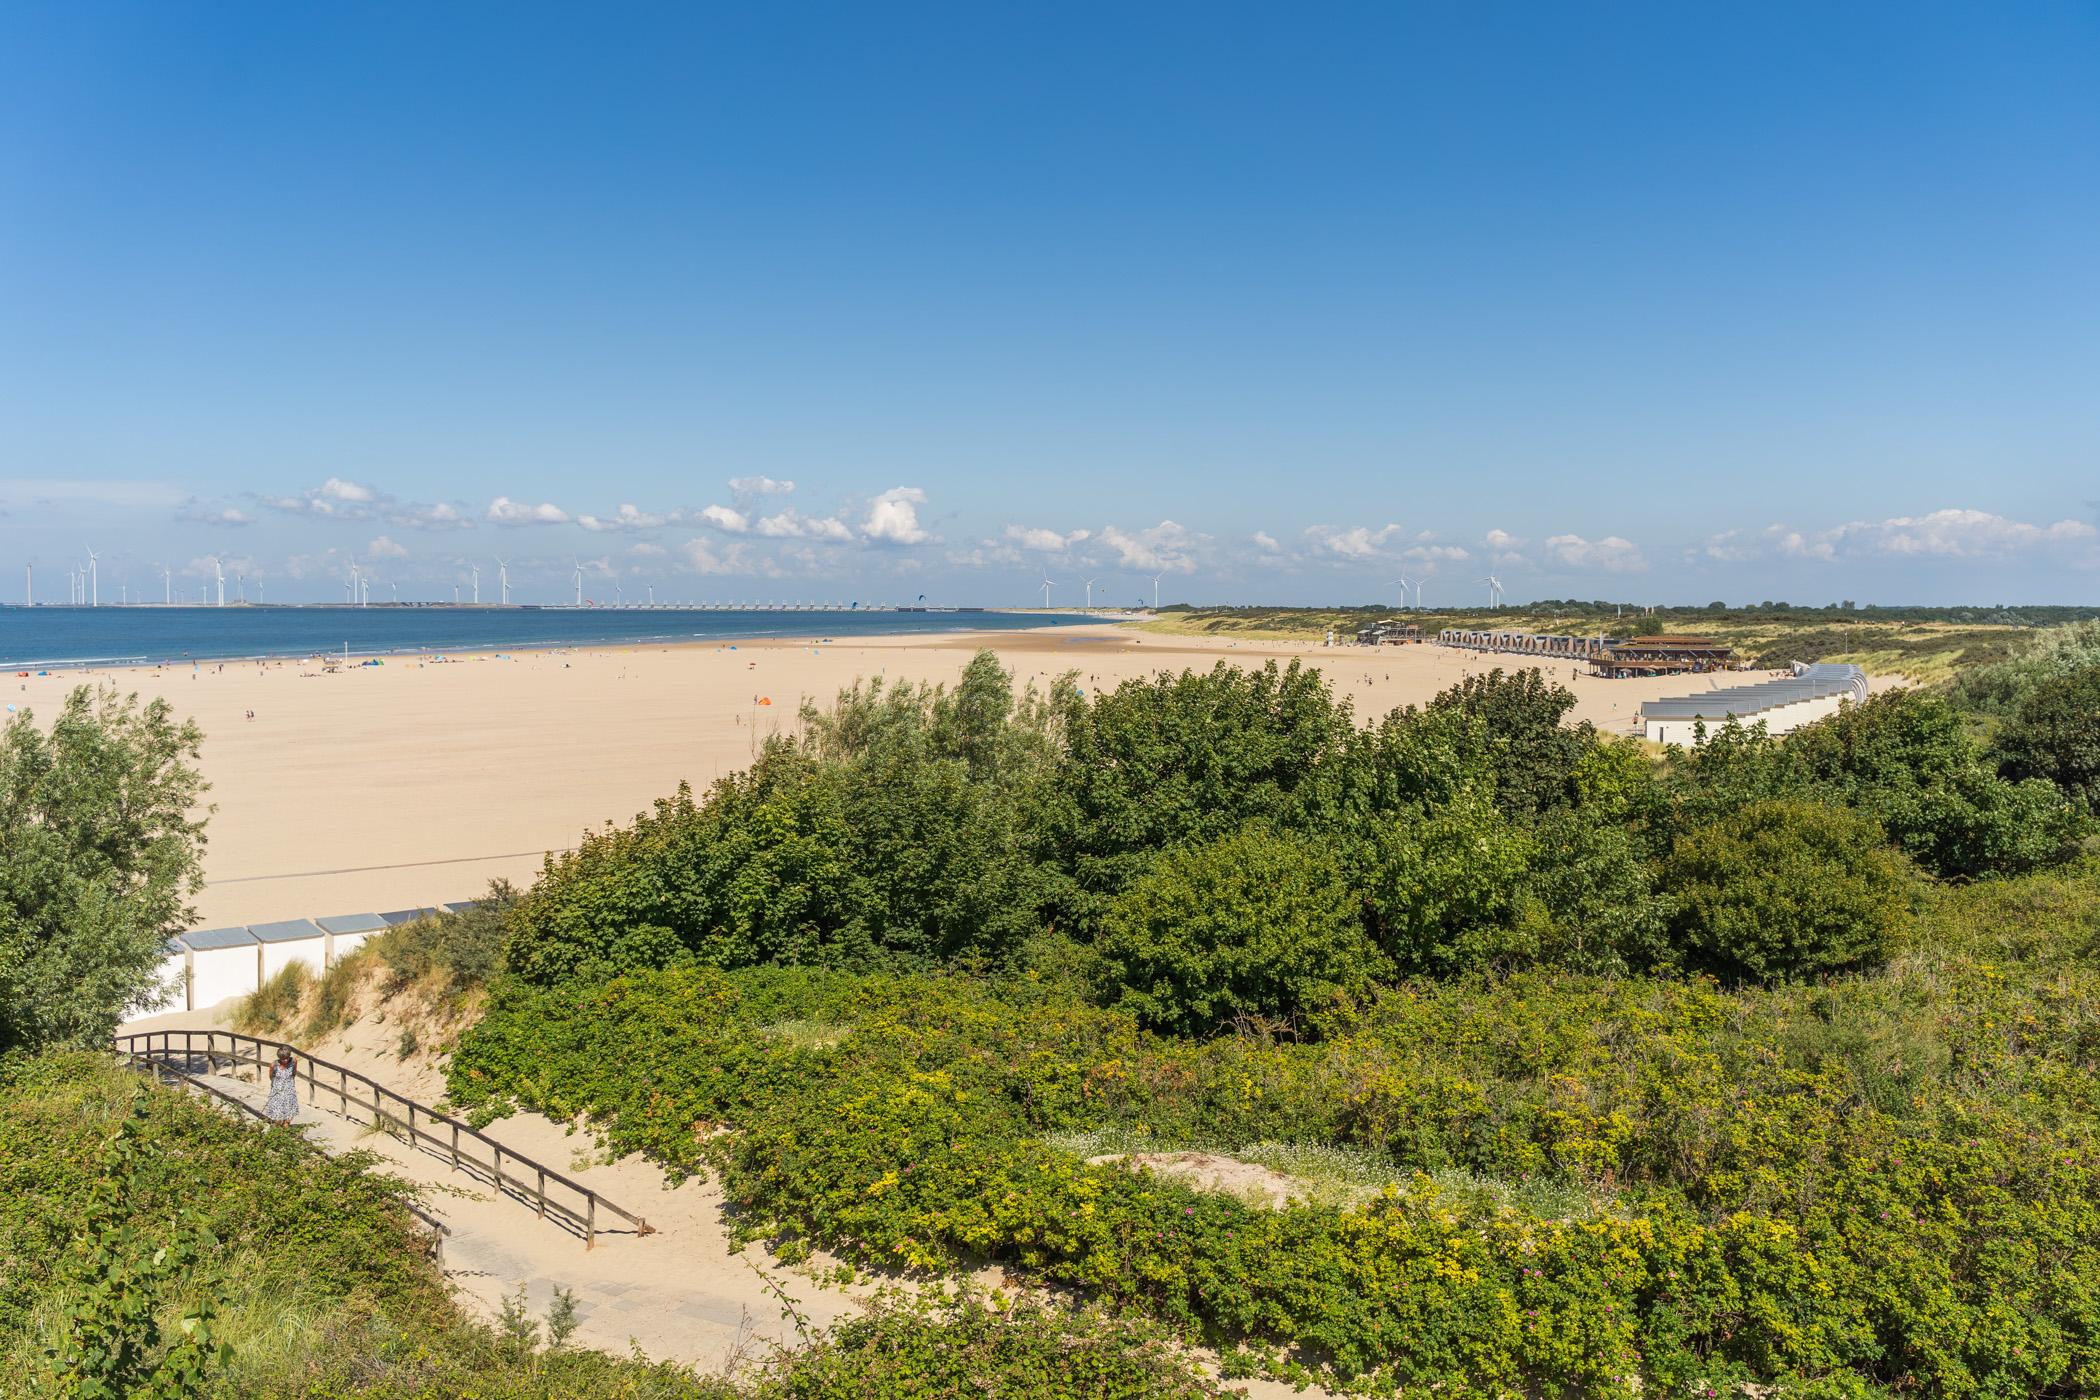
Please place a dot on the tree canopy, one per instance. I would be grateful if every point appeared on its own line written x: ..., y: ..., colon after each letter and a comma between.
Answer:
x: 101, y: 848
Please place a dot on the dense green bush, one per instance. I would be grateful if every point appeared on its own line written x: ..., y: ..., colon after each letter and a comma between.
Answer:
x: 1532, y: 755
x: 101, y: 851
x: 2054, y: 735
x: 1903, y: 759
x: 139, y: 1229
x: 1160, y: 763
x: 1997, y: 689
x: 893, y: 831
x: 1258, y: 923
x: 1444, y: 888
x: 1879, y: 1185
x: 1782, y: 890
x: 1576, y: 1165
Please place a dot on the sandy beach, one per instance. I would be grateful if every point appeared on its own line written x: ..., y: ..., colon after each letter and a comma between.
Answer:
x: 422, y: 779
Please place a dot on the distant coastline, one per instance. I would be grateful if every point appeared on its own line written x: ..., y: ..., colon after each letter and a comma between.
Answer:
x: 61, y: 637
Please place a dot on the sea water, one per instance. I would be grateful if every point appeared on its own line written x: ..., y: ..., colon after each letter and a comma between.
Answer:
x: 72, y: 636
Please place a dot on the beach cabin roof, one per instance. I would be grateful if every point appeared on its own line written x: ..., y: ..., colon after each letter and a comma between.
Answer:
x: 285, y: 931
x: 203, y: 940
x: 353, y: 923
x: 1746, y: 701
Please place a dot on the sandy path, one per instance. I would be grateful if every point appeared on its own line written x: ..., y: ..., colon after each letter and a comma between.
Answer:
x: 418, y: 781
x: 679, y: 1294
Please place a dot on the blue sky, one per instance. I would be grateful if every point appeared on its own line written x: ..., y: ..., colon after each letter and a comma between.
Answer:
x: 1655, y: 302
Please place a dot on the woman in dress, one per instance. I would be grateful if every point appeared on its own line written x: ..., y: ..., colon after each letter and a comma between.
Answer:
x: 283, y: 1104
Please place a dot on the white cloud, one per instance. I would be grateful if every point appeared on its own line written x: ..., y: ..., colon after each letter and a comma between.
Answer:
x: 347, y: 492
x: 760, y: 486
x: 787, y: 525
x: 384, y: 548
x: 1357, y: 542
x: 1952, y: 534
x: 1431, y: 555
x: 702, y: 556
x: 893, y: 517
x: 1044, y: 541
x: 1266, y: 542
x: 645, y: 550
x: 626, y: 517
x: 1611, y: 555
x: 440, y: 516
x: 507, y: 512
x: 730, y: 522
x: 1163, y: 548
x: 211, y: 513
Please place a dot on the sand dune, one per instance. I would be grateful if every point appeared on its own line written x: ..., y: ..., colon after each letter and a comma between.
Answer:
x: 422, y: 779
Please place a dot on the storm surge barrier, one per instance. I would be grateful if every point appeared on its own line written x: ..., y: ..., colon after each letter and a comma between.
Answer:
x: 568, y: 1203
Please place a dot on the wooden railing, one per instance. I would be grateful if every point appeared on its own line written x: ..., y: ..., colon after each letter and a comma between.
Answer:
x: 165, y: 1073
x: 567, y: 1202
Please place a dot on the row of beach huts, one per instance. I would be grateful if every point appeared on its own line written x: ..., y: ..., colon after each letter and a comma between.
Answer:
x: 206, y: 966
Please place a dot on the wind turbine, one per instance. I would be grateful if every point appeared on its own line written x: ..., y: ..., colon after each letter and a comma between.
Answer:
x: 652, y: 595
x: 94, y: 588
x: 503, y: 580
x: 395, y: 584
x: 167, y: 585
x: 258, y: 590
x: 579, y: 579
x: 1090, y: 593
x: 1155, y: 591
x: 1402, y: 582
x: 477, y: 584
x: 219, y: 573
x: 1418, y: 595
x: 240, y: 588
x: 1046, y: 590
x: 1494, y: 590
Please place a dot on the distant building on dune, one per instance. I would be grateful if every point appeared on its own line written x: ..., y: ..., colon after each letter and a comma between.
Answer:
x: 1809, y: 694
x: 1549, y: 645
x: 1663, y: 656
x: 1387, y: 634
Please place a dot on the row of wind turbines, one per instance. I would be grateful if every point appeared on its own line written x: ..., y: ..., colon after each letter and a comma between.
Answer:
x: 1494, y: 586
x: 1047, y: 584
x: 84, y: 584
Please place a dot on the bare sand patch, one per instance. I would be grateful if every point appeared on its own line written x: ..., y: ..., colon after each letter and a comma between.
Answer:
x: 1213, y: 1171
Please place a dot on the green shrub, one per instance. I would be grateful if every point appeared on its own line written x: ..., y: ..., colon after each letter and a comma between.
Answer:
x: 1783, y: 890
x: 2054, y: 735
x: 272, y: 1008
x: 447, y: 954
x: 139, y: 1228
x: 1445, y: 888
x: 1904, y: 760
x: 1882, y: 1185
x: 1532, y: 754
x: 1258, y: 924
x: 101, y: 851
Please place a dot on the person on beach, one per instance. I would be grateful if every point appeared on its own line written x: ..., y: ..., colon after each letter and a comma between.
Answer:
x: 283, y: 1103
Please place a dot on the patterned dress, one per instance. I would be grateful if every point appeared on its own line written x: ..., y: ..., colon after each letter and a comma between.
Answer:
x: 283, y: 1105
